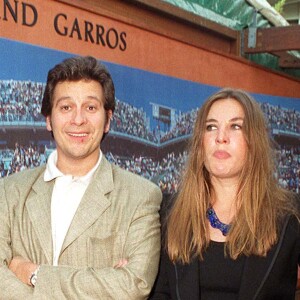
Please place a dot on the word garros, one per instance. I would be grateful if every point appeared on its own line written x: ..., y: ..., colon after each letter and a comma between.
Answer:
x: 90, y: 32
x: 27, y: 15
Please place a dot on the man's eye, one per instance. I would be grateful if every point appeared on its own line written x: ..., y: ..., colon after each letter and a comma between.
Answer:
x: 91, y: 108
x: 65, y: 107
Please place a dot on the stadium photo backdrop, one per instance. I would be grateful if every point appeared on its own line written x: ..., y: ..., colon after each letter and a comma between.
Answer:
x: 160, y: 83
x: 151, y: 126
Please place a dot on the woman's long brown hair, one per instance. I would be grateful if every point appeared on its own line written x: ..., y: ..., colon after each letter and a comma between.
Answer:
x: 260, y: 201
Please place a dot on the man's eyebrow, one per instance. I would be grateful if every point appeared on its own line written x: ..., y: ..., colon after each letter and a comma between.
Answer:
x: 94, y: 98
x: 68, y: 97
x: 62, y: 99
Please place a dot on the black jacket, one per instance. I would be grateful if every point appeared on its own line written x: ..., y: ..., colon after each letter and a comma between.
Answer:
x: 273, y: 277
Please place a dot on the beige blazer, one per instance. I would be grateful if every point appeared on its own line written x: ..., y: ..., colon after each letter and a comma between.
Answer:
x: 117, y: 218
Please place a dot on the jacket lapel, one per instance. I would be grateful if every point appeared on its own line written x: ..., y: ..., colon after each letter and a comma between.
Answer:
x: 39, y: 210
x: 93, y: 203
x: 257, y: 270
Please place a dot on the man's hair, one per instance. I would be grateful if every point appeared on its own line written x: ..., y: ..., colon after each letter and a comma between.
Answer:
x: 75, y: 69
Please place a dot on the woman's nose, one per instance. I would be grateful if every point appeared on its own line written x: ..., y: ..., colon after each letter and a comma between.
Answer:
x: 222, y: 136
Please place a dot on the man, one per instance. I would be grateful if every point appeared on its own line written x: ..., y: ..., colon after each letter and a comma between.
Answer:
x: 79, y: 227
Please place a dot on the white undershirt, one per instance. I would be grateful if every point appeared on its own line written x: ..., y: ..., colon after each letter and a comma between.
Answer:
x: 66, y: 196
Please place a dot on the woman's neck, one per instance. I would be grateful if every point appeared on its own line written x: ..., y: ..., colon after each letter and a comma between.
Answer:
x: 224, y: 199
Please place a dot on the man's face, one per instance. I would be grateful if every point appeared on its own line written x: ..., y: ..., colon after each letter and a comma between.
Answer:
x: 78, y: 121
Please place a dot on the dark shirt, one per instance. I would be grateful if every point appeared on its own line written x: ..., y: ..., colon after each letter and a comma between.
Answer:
x: 220, y: 276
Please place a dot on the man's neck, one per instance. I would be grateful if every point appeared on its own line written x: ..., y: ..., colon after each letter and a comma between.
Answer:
x: 77, y: 167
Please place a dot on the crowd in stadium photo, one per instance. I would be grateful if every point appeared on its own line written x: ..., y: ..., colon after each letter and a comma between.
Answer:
x: 21, y: 101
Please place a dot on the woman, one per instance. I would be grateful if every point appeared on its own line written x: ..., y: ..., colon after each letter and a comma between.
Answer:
x: 232, y: 232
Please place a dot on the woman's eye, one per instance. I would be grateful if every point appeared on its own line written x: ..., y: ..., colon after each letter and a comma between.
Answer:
x: 236, y: 126
x: 211, y: 127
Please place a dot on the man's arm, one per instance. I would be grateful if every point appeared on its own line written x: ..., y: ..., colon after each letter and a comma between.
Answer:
x: 128, y: 281
x: 10, y: 286
x: 23, y: 269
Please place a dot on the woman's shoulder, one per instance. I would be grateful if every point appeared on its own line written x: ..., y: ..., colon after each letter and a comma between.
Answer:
x: 289, y: 208
x: 290, y: 221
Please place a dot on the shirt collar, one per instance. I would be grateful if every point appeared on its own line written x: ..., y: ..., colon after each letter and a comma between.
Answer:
x: 52, y: 172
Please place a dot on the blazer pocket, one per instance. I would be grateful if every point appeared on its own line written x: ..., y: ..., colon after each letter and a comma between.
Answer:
x: 105, y: 252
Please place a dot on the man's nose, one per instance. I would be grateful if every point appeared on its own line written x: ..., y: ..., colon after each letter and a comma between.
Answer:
x: 79, y: 117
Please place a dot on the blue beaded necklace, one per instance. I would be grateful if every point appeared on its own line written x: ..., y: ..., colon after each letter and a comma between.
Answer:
x: 216, y: 223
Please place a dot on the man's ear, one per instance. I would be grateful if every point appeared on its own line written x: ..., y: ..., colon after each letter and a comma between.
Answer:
x: 48, y: 123
x: 109, y: 115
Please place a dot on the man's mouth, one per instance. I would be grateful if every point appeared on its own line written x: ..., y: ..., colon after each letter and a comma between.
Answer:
x: 78, y: 134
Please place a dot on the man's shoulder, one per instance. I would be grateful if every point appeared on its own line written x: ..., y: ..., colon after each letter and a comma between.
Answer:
x: 121, y: 183
x: 128, y: 178
x: 16, y: 187
x: 25, y: 176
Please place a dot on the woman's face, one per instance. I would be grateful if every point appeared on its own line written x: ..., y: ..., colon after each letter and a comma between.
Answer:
x: 225, y: 145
